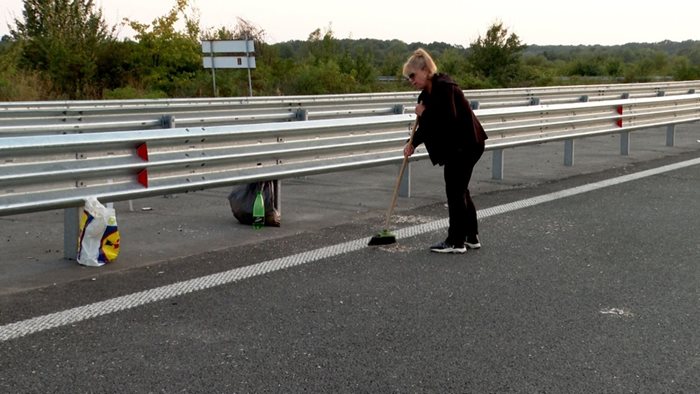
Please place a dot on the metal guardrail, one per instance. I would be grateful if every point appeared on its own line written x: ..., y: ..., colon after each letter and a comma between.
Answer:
x: 80, y: 117
x: 568, y: 122
x: 62, y: 117
x: 58, y: 171
x: 499, y: 98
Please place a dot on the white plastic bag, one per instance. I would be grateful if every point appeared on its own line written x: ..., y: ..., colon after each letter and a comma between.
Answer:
x: 98, y: 242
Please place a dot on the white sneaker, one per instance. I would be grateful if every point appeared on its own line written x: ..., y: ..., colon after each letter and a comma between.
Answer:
x: 473, y: 242
x: 444, y: 247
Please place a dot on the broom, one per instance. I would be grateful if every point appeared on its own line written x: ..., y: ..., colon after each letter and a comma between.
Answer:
x: 386, y: 237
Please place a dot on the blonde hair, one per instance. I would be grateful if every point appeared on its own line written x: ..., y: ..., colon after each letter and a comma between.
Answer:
x: 420, y: 60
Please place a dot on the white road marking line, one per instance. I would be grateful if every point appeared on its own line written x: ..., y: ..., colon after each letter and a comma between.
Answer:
x: 74, y: 315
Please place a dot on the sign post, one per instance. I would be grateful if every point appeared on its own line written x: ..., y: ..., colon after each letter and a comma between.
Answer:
x: 213, y: 69
x: 247, y: 56
x: 229, y: 54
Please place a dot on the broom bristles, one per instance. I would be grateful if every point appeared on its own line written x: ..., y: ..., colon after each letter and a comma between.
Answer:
x: 385, y: 237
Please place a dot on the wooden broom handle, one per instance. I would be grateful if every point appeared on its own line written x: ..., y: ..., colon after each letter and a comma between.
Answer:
x: 398, y: 180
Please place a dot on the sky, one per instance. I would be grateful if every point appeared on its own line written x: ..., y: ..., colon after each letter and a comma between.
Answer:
x: 551, y: 22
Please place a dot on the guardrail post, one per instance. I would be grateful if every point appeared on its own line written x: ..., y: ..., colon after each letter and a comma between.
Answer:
x: 168, y: 121
x: 302, y: 114
x: 497, y: 166
x: 569, y: 153
x: 534, y: 101
x: 569, y: 148
x: 625, y: 141
x: 625, y: 136
x: 278, y: 196
x: 475, y: 104
x: 71, y: 228
x: 671, y: 135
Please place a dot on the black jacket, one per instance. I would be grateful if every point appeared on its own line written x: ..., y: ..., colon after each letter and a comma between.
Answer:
x: 448, y: 126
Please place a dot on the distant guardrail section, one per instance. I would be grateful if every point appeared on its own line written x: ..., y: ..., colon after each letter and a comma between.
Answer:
x: 63, y: 117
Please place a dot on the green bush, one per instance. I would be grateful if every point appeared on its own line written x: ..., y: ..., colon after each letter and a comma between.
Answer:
x: 129, y: 92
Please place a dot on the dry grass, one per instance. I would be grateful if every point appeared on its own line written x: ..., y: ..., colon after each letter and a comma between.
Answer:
x: 24, y: 86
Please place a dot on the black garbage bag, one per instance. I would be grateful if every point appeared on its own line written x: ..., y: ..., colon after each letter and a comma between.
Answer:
x: 242, y: 198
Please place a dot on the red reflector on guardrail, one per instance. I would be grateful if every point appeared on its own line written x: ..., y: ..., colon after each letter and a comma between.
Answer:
x: 142, y: 151
x: 143, y: 177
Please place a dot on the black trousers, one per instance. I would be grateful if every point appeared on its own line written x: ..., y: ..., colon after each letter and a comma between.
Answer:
x: 458, y: 172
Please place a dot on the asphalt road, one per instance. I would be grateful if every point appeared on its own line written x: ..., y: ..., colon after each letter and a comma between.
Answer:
x: 588, y: 281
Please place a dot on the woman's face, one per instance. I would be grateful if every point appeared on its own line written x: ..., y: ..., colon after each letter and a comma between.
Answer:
x: 418, y: 78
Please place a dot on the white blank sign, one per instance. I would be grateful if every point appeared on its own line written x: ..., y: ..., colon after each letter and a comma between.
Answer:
x: 229, y: 62
x: 227, y: 47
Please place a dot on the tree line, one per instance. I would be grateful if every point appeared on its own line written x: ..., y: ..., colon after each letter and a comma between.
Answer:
x: 63, y: 49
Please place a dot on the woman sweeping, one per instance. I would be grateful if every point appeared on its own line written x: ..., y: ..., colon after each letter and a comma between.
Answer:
x: 454, y: 139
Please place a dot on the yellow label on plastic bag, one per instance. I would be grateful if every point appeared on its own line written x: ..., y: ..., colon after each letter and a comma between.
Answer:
x: 110, y: 244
